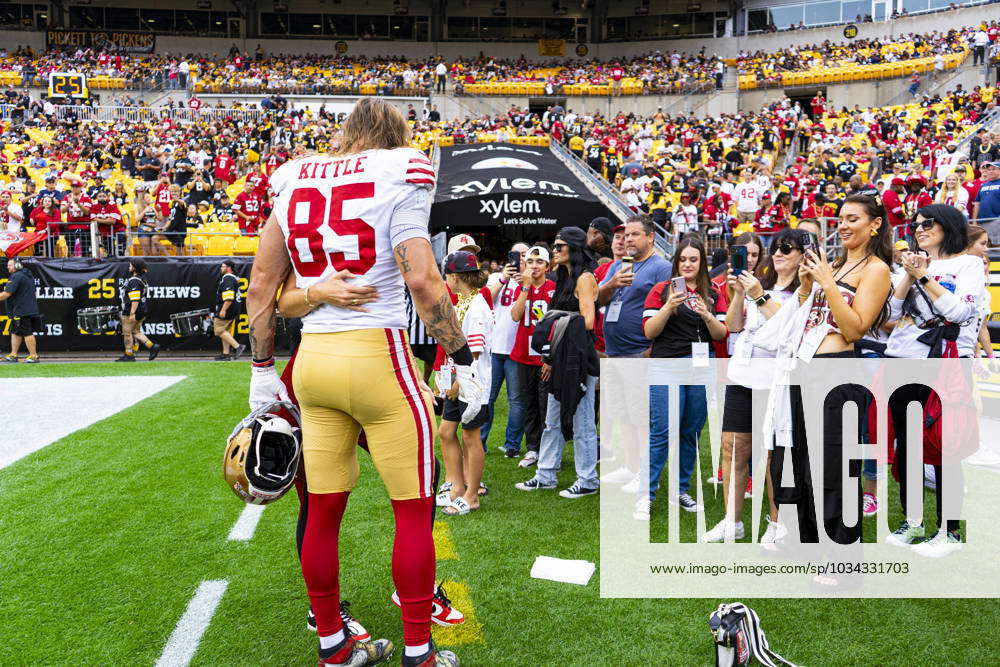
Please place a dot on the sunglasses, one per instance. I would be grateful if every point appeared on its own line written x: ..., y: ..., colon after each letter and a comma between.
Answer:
x: 559, y: 246
x: 786, y: 248
x: 925, y: 224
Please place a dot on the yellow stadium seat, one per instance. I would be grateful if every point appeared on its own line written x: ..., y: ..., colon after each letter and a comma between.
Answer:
x: 220, y: 245
x: 246, y: 245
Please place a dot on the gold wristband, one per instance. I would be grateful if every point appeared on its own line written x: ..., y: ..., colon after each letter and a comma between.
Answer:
x: 309, y: 304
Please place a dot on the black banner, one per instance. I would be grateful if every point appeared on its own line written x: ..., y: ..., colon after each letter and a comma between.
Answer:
x: 176, y: 285
x: 507, y: 187
x: 112, y: 40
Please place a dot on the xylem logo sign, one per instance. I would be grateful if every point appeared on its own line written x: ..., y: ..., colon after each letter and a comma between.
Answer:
x: 508, y: 205
x: 504, y: 163
x: 500, y: 184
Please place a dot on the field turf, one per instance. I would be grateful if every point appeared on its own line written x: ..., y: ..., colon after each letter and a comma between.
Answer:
x: 106, y: 534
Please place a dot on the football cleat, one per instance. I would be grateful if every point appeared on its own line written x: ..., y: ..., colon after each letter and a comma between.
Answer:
x: 351, y: 625
x: 352, y: 653
x: 262, y: 455
x: 154, y: 351
x: 433, y: 658
x: 442, y: 612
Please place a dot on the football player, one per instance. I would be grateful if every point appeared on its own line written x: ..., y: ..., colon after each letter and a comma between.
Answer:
x: 360, y: 215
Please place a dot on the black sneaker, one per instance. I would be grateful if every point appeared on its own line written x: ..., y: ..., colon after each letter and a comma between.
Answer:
x: 223, y: 357
x: 126, y: 357
x: 511, y: 453
x: 154, y: 351
x: 577, y: 491
x: 238, y: 352
x: 688, y: 504
x: 433, y: 658
x: 533, y: 485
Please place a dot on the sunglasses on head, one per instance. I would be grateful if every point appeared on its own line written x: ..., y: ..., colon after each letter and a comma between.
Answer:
x: 786, y: 248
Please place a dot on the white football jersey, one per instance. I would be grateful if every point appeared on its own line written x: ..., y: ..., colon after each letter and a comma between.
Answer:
x: 350, y: 212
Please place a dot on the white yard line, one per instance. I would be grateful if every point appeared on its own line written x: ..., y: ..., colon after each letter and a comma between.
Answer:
x: 48, y: 409
x: 245, y: 526
x: 183, y: 643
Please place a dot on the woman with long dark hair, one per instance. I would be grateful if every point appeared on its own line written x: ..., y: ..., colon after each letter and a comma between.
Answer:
x: 752, y: 302
x: 935, y: 307
x: 679, y: 324
x: 836, y: 303
x: 575, y: 292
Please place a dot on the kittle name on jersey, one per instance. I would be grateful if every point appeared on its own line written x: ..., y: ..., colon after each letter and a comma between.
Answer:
x: 342, y: 167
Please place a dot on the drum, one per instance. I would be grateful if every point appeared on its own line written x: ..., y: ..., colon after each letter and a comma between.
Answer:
x: 97, y: 321
x: 192, y: 323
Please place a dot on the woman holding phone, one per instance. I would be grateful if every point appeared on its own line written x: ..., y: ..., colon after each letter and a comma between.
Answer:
x: 835, y: 304
x: 679, y: 319
x: 753, y: 302
x: 935, y: 307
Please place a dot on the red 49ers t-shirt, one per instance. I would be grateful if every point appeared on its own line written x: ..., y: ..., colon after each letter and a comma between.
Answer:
x: 535, y: 307
x: 250, y: 204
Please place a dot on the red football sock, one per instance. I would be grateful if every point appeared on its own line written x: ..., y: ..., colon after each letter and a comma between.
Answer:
x: 321, y: 561
x: 413, y: 567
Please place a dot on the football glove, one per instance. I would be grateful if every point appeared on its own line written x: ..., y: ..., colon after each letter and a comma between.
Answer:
x: 266, y: 387
x: 470, y: 391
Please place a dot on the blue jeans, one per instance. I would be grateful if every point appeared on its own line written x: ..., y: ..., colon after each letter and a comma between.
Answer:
x: 694, y: 412
x: 505, y: 369
x: 584, y: 441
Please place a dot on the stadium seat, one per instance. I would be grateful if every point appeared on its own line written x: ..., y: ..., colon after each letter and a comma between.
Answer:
x: 246, y: 245
x: 220, y: 245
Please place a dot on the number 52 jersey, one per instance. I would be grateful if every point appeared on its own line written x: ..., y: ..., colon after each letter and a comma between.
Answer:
x: 349, y: 212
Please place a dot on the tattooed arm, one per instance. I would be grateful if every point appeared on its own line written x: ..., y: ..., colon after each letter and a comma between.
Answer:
x: 270, y: 267
x: 430, y: 296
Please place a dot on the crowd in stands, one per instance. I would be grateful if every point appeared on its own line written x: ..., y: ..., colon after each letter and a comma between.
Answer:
x: 769, y: 66
x: 652, y: 73
x: 724, y: 176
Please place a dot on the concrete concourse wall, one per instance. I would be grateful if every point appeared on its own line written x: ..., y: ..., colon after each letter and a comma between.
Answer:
x: 725, y: 47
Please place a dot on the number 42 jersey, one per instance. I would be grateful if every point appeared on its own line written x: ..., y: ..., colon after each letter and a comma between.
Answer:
x: 349, y: 212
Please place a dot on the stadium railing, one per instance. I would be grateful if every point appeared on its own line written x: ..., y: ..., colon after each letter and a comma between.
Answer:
x: 86, y: 112
x: 607, y: 193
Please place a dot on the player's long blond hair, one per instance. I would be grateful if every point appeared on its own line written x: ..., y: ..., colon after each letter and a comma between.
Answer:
x: 374, y: 123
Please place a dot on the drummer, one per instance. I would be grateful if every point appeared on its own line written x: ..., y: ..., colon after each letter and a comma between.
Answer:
x: 133, y: 295
x: 227, y: 308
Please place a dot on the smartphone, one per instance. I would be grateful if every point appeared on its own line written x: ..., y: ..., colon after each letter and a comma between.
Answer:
x: 739, y: 261
x: 514, y: 259
x: 678, y: 286
x: 809, y: 243
x: 628, y: 262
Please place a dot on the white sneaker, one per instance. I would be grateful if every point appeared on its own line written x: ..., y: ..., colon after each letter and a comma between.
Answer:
x: 641, y: 511
x: 631, y: 487
x: 984, y: 457
x: 905, y: 534
x: 716, y: 478
x: 620, y: 476
x: 725, y: 530
x: 444, y: 495
x: 930, y: 479
x: 942, y: 544
x: 773, y: 536
x: 530, y: 459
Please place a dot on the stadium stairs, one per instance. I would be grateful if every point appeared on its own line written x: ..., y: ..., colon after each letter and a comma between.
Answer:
x: 606, y: 193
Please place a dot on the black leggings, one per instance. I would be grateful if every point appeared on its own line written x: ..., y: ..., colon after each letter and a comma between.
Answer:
x: 535, y: 395
x: 901, y: 398
x: 801, y: 494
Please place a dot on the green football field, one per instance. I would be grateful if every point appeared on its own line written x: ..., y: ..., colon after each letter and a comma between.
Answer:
x: 106, y: 534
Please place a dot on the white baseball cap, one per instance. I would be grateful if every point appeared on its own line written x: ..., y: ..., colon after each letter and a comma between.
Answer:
x: 461, y: 242
x: 538, y: 252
